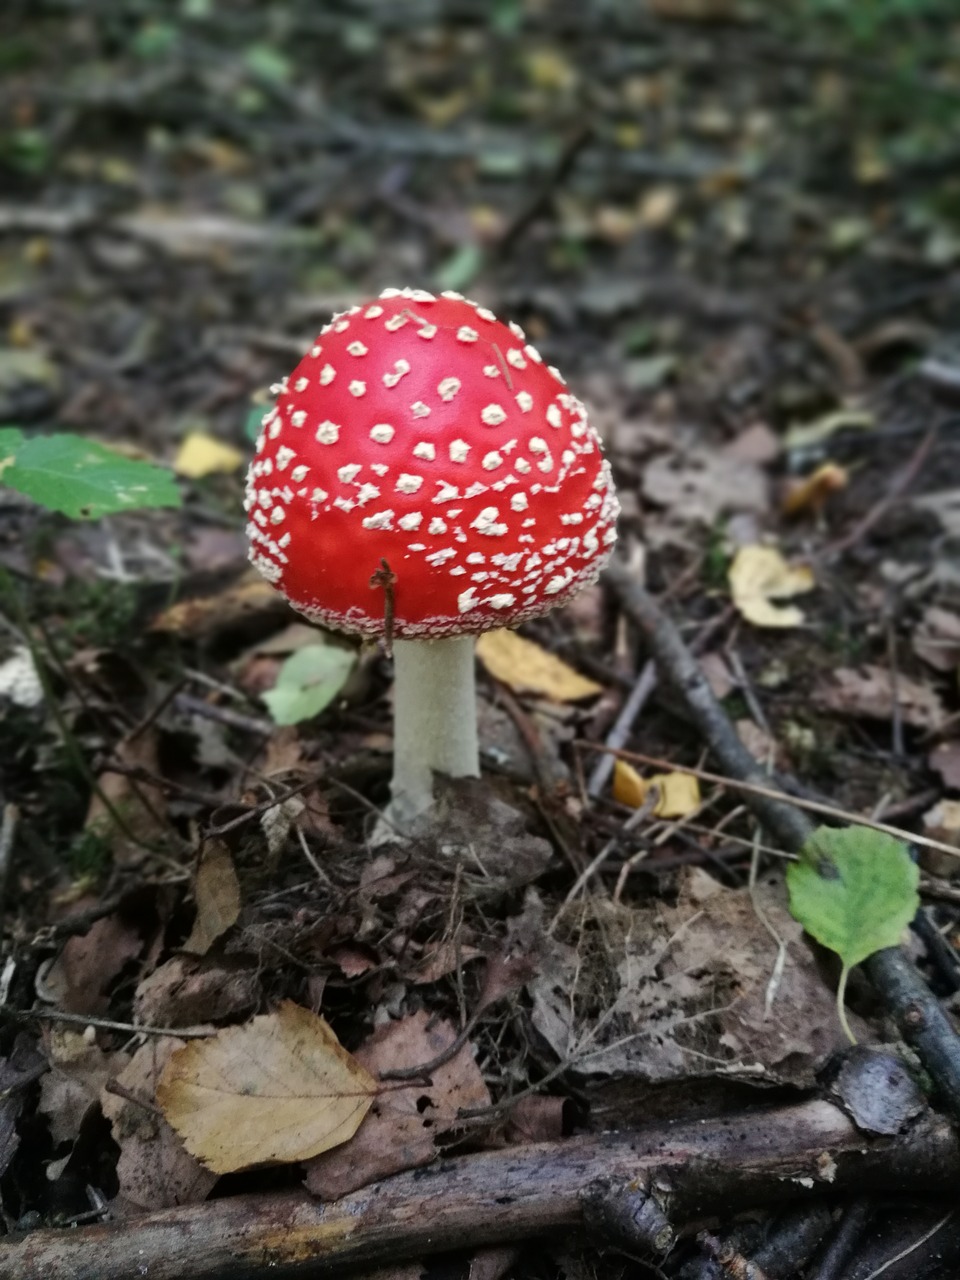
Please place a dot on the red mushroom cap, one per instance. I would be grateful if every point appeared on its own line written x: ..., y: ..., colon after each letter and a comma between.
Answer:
x: 423, y: 432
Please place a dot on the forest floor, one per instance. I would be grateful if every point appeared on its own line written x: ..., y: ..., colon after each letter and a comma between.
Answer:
x: 739, y: 238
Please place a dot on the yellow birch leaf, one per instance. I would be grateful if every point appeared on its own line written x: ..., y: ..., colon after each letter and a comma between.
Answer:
x: 525, y: 667
x: 760, y: 575
x: 679, y: 792
x: 279, y: 1089
x: 201, y: 455
x: 628, y: 787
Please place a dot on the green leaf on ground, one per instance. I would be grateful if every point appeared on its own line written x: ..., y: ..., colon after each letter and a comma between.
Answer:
x: 855, y: 891
x: 81, y: 478
x: 308, y: 681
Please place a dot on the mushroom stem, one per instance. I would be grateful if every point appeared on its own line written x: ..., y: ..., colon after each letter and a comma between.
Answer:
x: 435, y: 720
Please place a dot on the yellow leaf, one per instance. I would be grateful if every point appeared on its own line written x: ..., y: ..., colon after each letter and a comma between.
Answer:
x: 279, y: 1089
x: 811, y: 493
x: 550, y: 69
x: 217, y: 894
x: 679, y: 793
x: 201, y: 455
x: 524, y: 666
x: 760, y: 575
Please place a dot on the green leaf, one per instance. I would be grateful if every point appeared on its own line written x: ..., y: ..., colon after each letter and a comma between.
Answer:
x: 81, y: 478
x: 254, y: 421
x: 854, y: 889
x: 308, y: 681
x: 462, y: 267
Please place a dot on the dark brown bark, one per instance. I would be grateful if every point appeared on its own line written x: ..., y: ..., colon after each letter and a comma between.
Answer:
x: 697, y: 1167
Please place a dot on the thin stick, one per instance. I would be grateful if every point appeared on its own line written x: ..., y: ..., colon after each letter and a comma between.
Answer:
x: 771, y: 793
x: 106, y: 1024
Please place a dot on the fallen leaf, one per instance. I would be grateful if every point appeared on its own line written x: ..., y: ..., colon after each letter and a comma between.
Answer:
x: 186, y: 990
x: 79, y: 977
x: 692, y: 990
x: 678, y: 793
x: 309, y: 681
x: 249, y: 602
x: 937, y: 639
x: 217, y: 895
x: 703, y: 484
x: 760, y: 575
x: 811, y: 493
x: 278, y: 1089
x: 869, y: 691
x: 24, y: 1065
x: 154, y: 1171
x: 405, y: 1125
x: 202, y: 455
x: 809, y: 435
x: 78, y: 1071
x: 140, y: 805
x: 527, y: 668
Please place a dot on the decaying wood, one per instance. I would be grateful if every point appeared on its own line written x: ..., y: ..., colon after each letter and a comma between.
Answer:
x: 694, y: 1167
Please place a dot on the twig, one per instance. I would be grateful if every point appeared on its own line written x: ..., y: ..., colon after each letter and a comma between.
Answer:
x: 904, y: 1253
x: 8, y: 830
x: 901, y: 484
x: 770, y: 792
x: 107, y: 1024
x: 918, y: 1014
x: 841, y: 1246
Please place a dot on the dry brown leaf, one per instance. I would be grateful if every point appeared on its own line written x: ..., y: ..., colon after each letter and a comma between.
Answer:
x: 141, y: 806
x: 186, y: 990
x: 78, y: 1071
x: 202, y: 455
x: 679, y: 793
x: 278, y: 1089
x: 937, y: 639
x: 217, y: 893
x: 702, y: 484
x: 811, y: 493
x: 154, y: 1170
x: 248, y: 601
x: 675, y: 992
x: 527, y: 668
x: 758, y: 576
x: 78, y: 979
x: 405, y: 1123
x: 869, y: 691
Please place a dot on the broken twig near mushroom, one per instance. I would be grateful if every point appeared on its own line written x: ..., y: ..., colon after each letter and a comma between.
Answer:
x: 422, y: 477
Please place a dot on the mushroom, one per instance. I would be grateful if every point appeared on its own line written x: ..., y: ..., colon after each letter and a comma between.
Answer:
x: 423, y: 476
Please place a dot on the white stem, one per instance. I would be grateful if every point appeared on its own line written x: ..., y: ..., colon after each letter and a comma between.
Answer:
x: 435, y: 720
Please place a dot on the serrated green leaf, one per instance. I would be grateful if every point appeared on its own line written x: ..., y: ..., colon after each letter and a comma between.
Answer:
x: 308, y: 681
x: 854, y: 890
x: 81, y: 478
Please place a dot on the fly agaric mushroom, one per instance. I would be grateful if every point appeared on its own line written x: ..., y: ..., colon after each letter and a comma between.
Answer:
x: 422, y: 477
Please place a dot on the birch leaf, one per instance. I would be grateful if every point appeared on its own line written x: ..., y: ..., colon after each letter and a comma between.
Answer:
x: 527, y: 668
x: 279, y: 1089
x: 759, y: 576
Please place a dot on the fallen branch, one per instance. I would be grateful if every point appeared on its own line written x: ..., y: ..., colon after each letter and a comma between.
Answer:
x: 698, y: 1167
x: 918, y: 1014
